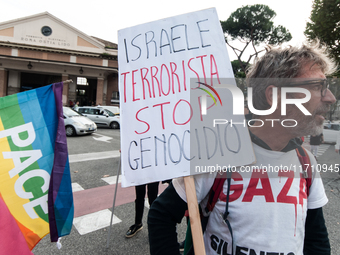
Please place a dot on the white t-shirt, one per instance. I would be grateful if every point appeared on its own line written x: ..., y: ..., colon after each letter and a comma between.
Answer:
x: 267, y: 212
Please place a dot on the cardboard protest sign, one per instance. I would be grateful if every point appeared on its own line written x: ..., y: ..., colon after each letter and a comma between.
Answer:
x: 166, y: 70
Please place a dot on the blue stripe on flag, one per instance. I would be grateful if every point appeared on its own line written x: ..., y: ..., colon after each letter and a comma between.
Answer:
x: 33, y: 111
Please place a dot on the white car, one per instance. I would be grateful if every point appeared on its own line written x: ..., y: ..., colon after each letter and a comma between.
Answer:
x: 330, y: 132
x: 113, y: 109
x: 76, y: 124
x: 100, y: 116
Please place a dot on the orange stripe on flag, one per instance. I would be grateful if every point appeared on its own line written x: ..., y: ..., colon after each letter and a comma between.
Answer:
x: 31, y: 238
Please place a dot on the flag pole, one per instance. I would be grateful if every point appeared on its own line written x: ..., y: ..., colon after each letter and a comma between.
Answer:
x: 194, y: 216
x: 113, y: 206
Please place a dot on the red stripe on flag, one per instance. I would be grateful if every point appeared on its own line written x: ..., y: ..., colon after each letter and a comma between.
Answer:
x: 11, y: 239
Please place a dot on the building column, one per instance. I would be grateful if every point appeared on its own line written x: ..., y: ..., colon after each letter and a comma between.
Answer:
x: 65, y: 89
x: 112, y: 86
x: 100, y: 91
x: 3, y: 82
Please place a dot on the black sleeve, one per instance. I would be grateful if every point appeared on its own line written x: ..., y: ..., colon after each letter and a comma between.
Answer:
x: 165, y: 212
x: 316, y: 235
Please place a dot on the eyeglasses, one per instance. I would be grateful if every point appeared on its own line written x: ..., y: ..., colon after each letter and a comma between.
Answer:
x: 323, y: 83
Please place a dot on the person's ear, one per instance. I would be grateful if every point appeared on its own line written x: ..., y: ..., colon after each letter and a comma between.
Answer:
x: 270, y: 93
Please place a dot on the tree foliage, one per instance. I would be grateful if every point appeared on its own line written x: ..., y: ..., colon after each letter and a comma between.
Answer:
x: 237, y: 68
x: 240, y: 75
x: 253, y: 25
x: 325, y: 25
x: 335, y: 88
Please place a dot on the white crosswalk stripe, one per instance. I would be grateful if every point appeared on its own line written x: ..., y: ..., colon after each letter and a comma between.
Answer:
x: 93, y: 156
x: 112, y: 179
x: 76, y: 187
x: 322, y: 149
x: 94, y: 221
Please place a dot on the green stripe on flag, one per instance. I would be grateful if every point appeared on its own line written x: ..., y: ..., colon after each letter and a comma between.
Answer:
x: 11, y: 116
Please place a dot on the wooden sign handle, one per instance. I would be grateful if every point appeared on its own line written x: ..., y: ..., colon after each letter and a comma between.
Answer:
x: 194, y: 215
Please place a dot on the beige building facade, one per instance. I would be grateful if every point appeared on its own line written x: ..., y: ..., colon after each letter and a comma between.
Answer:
x: 41, y: 49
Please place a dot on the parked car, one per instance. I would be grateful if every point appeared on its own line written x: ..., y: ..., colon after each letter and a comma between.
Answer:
x: 113, y: 109
x: 330, y: 132
x: 77, y: 124
x: 100, y: 116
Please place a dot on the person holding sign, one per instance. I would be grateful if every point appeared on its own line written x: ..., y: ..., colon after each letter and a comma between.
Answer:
x: 275, y: 204
x: 139, y: 205
x: 315, y: 141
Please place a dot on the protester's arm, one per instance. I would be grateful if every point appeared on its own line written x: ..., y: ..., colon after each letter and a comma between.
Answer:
x: 165, y: 212
x: 316, y: 235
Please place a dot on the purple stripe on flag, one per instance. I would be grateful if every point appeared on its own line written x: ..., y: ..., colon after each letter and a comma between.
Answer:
x: 60, y: 159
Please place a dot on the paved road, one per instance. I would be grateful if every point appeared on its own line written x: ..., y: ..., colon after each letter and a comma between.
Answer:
x: 331, y: 182
x: 94, y: 164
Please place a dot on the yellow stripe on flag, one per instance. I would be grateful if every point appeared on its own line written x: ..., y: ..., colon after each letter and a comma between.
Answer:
x: 15, y: 203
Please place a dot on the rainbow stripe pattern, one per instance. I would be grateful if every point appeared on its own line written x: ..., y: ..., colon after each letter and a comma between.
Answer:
x: 35, y: 181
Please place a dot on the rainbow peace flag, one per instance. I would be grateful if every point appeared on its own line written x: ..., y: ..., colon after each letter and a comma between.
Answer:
x: 35, y: 183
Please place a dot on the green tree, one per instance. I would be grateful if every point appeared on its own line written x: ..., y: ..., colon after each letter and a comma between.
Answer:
x: 240, y: 75
x: 325, y: 25
x: 253, y: 25
x: 335, y: 88
x: 237, y: 68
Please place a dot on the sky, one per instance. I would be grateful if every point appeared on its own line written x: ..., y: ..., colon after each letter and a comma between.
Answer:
x: 103, y: 18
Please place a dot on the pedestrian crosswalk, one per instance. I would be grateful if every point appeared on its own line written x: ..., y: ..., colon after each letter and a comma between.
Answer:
x: 92, y: 205
x: 94, y: 221
x: 76, y: 187
x: 93, y: 156
x: 91, y: 221
x: 322, y: 148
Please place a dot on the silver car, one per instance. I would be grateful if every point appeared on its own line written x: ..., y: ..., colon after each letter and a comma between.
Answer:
x: 102, y: 117
x: 76, y: 124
